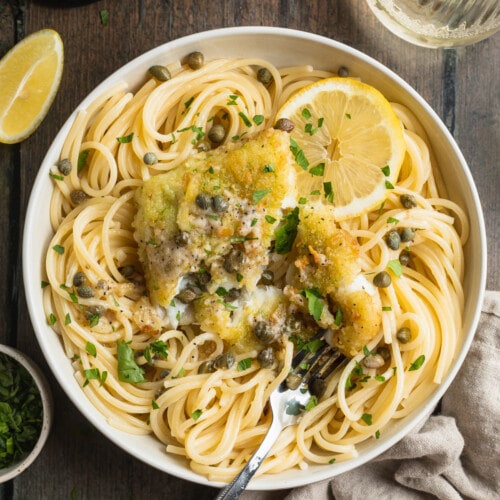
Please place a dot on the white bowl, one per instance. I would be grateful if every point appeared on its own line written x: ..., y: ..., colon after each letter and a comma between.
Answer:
x: 283, y: 47
x: 17, y: 468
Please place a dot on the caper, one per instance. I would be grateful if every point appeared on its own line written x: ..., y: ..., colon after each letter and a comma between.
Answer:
x: 77, y: 196
x: 225, y: 360
x: 393, y: 239
x: 234, y: 260
x: 264, y: 76
x: 160, y: 72
x: 203, y: 200
x: 404, y: 258
x: 404, y: 335
x: 64, y: 166
x: 408, y: 201
x: 382, y: 279
x: 407, y: 234
x: 102, y: 285
x: 266, y: 357
x: 203, y: 278
x: 284, y: 124
x: 374, y: 361
x: 220, y: 203
x: 195, y: 60
x: 217, y: 133
x: 317, y: 387
x: 150, y: 158
x: 264, y: 332
x: 206, y: 367
x: 85, y: 291
x: 293, y: 381
x: 96, y: 310
x: 232, y: 295
x: 186, y: 296
x: 267, y: 277
x: 385, y: 352
x: 181, y: 238
x: 79, y: 279
x: 127, y: 271
x: 343, y: 71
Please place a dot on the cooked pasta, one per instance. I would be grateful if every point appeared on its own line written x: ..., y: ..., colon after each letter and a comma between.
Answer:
x: 141, y: 368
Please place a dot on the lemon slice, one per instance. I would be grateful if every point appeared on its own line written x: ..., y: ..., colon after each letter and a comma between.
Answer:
x: 30, y: 74
x: 348, y: 143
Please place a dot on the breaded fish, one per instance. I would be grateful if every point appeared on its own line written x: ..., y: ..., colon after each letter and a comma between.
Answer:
x: 209, y: 224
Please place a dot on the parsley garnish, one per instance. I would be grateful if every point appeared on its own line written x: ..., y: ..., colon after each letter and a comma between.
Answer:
x: 367, y: 418
x: 388, y: 185
x: 311, y: 403
x: 327, y: 186
x: 91, y: 349
x: 56, y: 177
x: 285, y: 235
x: 318, y: 170
x: 82, y: 160
x: 386, y: 170
x: 302, y: 200
x: 417, y: 363
x: 128, y: 370
x: 196, y: 414
x: 315, y: 302
x: 157, y: 348
x: 258, y: 119
x: 306, y: 113
x: 126, y: 138
x: 259, y: 194
x: 270, y: 219
x: 245, y: 119
x: 59, y: 249
x: 298, y: 154
x: 104, y: 15
x: 396, y: 267
x: 269, y: 167
x: 244, y: 364
x: 232, y: 100
x: 392, y: 220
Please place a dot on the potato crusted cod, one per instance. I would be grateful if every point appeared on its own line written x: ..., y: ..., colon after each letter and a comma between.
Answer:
x: 328, y: 262
x: 205, y: 230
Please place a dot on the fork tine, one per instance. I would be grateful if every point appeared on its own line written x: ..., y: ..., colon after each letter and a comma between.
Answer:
x: 308, y: 365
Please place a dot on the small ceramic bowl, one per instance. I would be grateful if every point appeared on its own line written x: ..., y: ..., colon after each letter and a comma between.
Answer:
x: 17, y: 468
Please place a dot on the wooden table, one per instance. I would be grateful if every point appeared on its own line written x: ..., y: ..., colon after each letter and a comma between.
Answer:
x: 461, y: 85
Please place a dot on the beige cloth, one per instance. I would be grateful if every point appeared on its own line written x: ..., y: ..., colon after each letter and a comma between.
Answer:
x: 454, y: 455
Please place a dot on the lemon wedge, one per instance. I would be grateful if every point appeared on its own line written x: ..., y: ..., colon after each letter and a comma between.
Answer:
x: 30, y: 74
x: 348, y: 143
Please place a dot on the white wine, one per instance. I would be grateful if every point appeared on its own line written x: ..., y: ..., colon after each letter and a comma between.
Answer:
x: 439, y: 23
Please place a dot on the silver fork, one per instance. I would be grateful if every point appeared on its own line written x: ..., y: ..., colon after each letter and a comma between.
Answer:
x: 310, y: 366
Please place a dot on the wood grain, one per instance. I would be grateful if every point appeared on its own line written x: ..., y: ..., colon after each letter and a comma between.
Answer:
x: 461, y: 85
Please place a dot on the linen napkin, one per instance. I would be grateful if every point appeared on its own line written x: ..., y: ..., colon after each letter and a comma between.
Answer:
x: 453, y: 455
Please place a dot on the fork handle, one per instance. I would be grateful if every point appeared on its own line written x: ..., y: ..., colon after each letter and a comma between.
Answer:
x: 235, y: 488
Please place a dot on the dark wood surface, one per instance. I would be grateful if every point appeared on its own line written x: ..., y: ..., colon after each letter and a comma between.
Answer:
x: 460, y: 84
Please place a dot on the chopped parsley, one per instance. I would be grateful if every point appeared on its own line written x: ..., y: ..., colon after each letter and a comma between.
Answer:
x: 315, y: 302
x: 396, y: 267
x: 128, y: 370
x: 386, y: 170
x: 196, y: 414
x: 126, y: 138
x: 104, y: 15
x: 311, y: 403
x: 56, y: 177
x: 244, y: 364
x: 259, y: 194
x: 158, y: 348
x: 270, y: 219
x: 327, y: 186
x: 245, y: 119
x: 417, y: 364
x: 258, y: 119
x: 299, y: 155
x: 91, y: 349
x: 59, y: 249
x: 367, y: 418
x: 21, y: 412
x: 269, y: 167
x: 286, y: 234
x: 318, y: 170
x: 82, y: 160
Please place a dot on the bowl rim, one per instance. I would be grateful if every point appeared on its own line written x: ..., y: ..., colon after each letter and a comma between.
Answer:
x: 268, y: 481
x: 47, y: 404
